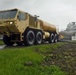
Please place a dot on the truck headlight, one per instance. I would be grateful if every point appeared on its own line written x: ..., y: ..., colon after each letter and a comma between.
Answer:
x: 11, y: 22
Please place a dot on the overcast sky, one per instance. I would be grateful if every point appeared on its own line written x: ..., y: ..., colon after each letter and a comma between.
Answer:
x: 57, y: 12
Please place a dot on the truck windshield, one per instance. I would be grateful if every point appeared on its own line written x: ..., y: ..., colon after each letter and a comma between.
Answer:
x: 8, y: 14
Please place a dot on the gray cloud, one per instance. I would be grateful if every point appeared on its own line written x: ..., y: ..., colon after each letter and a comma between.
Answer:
x: 58, y: 12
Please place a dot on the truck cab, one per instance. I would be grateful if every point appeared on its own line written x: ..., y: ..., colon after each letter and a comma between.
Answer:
x: 12, y: 21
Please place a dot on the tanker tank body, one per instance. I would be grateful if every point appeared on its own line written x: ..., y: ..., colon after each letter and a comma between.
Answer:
x: 51, y: 32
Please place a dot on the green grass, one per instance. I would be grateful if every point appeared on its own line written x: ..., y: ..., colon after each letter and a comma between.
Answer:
x: 13, y: 61
x: 1, y: 42
x: 48, y: 47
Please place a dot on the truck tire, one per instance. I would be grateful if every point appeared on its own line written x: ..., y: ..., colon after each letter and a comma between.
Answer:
x: 58, y: 38
x: 51, y: 39
x: 55, y: 38
x: 7, y: 41
x: 29, y: 38
x: 38, y: 39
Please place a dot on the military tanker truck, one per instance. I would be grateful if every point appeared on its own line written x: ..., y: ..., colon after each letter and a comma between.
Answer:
x: 22, y: 28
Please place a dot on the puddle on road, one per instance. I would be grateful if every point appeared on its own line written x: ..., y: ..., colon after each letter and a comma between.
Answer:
x: 1, y: 47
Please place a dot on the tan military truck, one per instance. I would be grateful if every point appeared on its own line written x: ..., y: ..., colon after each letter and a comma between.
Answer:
x: 24, y: 29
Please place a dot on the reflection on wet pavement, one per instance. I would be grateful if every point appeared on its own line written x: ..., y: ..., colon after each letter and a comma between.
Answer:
x: 2, y: 46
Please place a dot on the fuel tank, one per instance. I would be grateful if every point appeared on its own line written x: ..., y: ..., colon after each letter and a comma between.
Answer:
x: 47, y: 27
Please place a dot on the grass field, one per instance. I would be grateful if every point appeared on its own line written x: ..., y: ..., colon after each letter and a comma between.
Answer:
x: 1, y: 42
x: 28, y: 60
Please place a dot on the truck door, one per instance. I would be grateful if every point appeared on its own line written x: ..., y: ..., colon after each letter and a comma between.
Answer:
x: 21, y: 21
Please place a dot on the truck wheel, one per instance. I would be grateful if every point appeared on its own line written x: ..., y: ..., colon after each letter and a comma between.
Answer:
x: 51, y: 40
x: 58, y: 38
x: 29, y: 38
x: 38, y: 39
x: 55, y: 38
x: 7, y: 41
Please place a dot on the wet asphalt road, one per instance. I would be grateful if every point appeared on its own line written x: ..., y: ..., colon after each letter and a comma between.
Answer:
x: 2, y: 46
